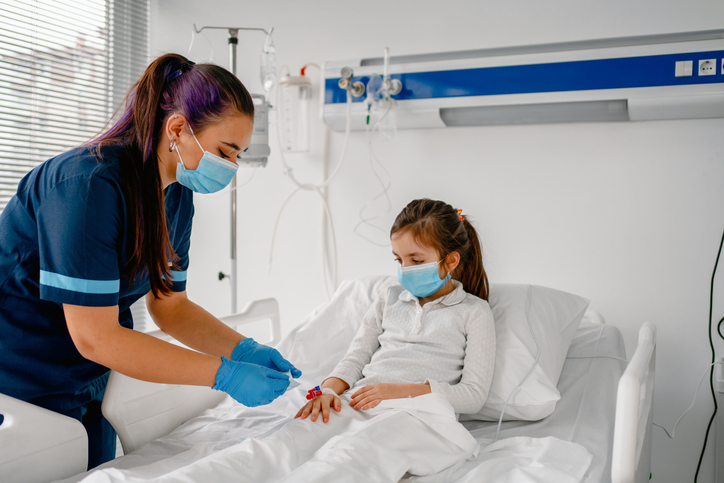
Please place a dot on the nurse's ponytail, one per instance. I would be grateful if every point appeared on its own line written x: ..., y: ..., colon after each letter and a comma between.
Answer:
x: 204, y: 94
x: 437, y: 225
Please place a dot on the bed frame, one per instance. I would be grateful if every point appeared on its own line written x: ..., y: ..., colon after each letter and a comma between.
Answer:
x: 631, y: 455
x: 40, y: 445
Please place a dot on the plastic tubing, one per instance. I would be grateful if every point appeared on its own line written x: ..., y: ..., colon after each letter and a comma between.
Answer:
x: 320, y: 189
x: 532, y: 368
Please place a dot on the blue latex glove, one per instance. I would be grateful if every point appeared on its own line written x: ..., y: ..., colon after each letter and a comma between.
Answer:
x: 249, y: 350
x: 250, y: 384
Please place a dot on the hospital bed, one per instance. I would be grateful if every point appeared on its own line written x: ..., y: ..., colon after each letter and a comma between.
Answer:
x: 163, y: 428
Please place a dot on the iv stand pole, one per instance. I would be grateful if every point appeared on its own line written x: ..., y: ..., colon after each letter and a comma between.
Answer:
x: 233, y: 42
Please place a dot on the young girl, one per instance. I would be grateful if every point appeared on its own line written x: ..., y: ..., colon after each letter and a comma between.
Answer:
x: 424, y: 352
x: 427, y: 328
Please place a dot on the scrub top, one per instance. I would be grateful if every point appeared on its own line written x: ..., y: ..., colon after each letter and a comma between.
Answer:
x: 63, y: 240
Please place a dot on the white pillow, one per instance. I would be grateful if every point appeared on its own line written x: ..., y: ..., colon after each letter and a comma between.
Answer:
x: 553, y: 316
x: 323, y: 337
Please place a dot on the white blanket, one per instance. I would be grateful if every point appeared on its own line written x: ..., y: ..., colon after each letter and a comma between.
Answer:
x: 521, y: 460
x: 417, y: 437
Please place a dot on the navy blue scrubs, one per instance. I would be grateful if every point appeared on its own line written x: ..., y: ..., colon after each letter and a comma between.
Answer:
x: 63, y: 241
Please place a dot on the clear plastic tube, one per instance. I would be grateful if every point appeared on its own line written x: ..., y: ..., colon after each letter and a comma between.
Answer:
x: 268, y: 62
x: 321, y: 191
x: 366, y: 221
x: 532, y: 367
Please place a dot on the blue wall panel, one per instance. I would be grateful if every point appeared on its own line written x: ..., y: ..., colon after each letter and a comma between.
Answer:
x: 621, y: 73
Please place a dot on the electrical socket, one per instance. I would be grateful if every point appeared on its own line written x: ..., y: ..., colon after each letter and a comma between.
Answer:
x: 707, y: 67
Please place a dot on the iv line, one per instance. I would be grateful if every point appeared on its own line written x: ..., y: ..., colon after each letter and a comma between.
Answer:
x: 318, y: 188
x: 693, y: 401
x: 211, y: 46
x: 385, y: 192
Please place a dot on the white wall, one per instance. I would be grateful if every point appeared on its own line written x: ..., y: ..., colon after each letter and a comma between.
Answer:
x: 626, y: 214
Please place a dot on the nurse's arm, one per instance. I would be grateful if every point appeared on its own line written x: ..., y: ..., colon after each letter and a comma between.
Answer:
x: 99, y: 337
x: 190, y: 324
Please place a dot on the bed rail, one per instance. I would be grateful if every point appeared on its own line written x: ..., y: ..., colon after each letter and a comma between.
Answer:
x: 37, y: 445
x: 631, y: 455
x: 142, y: 411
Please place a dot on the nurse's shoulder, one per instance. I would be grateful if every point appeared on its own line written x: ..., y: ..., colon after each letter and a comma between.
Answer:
x: 79, y: 169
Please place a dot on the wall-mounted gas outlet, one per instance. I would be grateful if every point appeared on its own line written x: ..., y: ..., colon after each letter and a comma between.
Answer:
x: 707, y: 67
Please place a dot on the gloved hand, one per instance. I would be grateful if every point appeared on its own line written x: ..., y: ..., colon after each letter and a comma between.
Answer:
x: 249, y: 350
x: 250, y: 384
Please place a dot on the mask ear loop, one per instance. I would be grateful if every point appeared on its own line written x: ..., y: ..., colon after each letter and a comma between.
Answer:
x: 449, y: 273
x: 197, y: 141
x: 173, y: 146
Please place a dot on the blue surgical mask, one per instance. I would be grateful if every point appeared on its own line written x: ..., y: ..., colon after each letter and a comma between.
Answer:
x: 212, y: 174
x: 421, y: 280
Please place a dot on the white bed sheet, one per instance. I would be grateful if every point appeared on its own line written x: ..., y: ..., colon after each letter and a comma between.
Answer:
x: 584, y: 415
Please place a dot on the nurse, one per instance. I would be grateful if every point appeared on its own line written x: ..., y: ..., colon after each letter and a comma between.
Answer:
x: 92, y: 230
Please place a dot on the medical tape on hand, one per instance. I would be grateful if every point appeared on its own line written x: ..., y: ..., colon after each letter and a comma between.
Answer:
x: 329, y: 390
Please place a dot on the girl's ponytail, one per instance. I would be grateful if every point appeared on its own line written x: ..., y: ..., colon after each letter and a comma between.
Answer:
x: 472, y: 275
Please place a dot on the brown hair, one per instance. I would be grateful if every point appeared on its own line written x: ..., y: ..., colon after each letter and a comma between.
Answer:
x: 204, y: 94
x: 436, y: 224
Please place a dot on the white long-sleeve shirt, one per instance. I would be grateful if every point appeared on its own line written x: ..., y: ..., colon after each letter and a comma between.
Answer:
x: 449, y: 343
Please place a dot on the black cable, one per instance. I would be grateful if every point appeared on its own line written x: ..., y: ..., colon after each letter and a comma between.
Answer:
x: 713, y: 360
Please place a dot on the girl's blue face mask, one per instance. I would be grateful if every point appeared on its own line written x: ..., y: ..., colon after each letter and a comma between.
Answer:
x: 421, y: 280
x: 212, y: 174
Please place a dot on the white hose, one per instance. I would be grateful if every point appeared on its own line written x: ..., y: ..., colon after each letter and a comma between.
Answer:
x: 365, y: 220
x: 328, y: 272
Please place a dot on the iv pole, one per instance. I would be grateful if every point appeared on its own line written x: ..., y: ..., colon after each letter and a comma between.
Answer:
x: 233, y: 42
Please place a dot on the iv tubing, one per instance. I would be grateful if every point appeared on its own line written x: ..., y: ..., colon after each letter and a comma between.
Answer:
x: 321, y: 191
x: 385, y: 192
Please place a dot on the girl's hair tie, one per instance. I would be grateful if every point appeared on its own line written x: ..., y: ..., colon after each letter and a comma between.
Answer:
x: 460, y: 215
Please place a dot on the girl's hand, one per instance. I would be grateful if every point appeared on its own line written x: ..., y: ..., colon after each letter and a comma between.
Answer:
x: 323, y: 403
x: 370, y: 396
